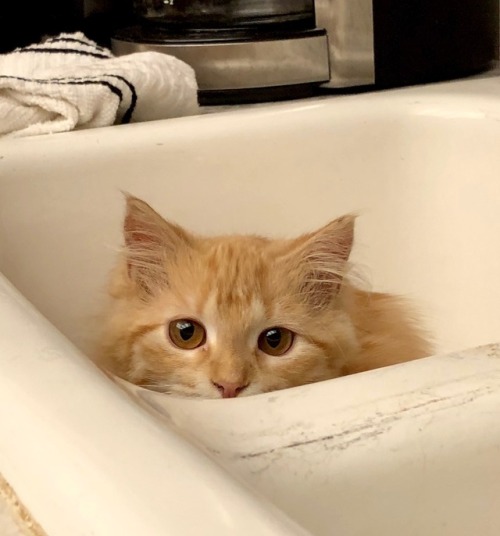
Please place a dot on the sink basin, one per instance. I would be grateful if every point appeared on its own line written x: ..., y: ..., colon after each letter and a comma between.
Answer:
x: 409, y: 449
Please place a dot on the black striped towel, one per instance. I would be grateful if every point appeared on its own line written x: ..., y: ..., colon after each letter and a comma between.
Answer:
x: 70, y: 82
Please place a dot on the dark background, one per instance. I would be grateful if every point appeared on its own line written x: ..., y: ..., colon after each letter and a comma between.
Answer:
x: 23, y: 22
x: 415, y: 40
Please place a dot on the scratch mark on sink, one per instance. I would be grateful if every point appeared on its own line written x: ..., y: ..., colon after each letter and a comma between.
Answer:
x: 374, y: 427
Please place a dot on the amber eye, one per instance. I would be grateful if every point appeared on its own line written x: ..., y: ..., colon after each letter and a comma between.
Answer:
x: 186, y: 334
x: 276, y: 341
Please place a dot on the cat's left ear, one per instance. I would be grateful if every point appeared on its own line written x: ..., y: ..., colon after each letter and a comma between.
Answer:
x: 322, y: 259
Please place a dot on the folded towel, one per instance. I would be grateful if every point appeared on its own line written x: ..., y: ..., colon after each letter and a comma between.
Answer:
x: 70, y: 82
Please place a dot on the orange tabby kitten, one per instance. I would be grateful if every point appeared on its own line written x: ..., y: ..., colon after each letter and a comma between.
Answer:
x: 240, y: 315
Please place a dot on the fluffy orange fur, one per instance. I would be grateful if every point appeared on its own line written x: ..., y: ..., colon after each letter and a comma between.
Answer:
x: 236, y: 287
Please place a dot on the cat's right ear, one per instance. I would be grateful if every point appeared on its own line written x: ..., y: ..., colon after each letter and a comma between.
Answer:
x: 321, y: 259
x: 149, y: 242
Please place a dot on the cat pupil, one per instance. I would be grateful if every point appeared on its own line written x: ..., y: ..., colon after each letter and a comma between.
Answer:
x: 273, y: 337
x: 186, y: 330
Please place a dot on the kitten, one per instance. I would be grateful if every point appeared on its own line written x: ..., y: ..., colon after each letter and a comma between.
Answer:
x: 240, y: 315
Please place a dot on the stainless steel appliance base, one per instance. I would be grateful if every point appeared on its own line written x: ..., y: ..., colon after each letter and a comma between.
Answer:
x: 238, y: 64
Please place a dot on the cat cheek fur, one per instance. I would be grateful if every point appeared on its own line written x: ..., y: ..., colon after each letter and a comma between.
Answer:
x: 312, y: 359
x: 155, y: 364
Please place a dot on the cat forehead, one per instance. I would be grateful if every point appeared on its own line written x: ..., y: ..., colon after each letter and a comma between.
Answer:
x: 235, y: 269
x: 244, y: 251
x: 236, y: 258
x: 235, y: 243
x: 232, y: 273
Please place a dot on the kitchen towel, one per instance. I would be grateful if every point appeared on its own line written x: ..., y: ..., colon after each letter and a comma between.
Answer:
x: 69, y: 82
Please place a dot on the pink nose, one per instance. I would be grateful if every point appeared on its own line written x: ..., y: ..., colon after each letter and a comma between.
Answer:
x: 229, y: 389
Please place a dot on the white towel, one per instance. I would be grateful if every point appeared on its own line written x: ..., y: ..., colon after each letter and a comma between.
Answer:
x: 70, y: 82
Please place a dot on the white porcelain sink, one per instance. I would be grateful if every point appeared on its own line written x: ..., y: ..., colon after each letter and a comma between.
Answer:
x: 411, y: 449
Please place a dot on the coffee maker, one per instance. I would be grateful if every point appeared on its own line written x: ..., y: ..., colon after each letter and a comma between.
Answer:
x: 250, y: 50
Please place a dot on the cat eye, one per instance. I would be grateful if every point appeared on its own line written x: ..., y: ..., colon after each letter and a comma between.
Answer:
x: 276, y: 341
x: 186, y: 334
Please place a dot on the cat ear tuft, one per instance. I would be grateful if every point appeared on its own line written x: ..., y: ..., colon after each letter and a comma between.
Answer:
x: 323, y: 257
x: 149, y: 242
